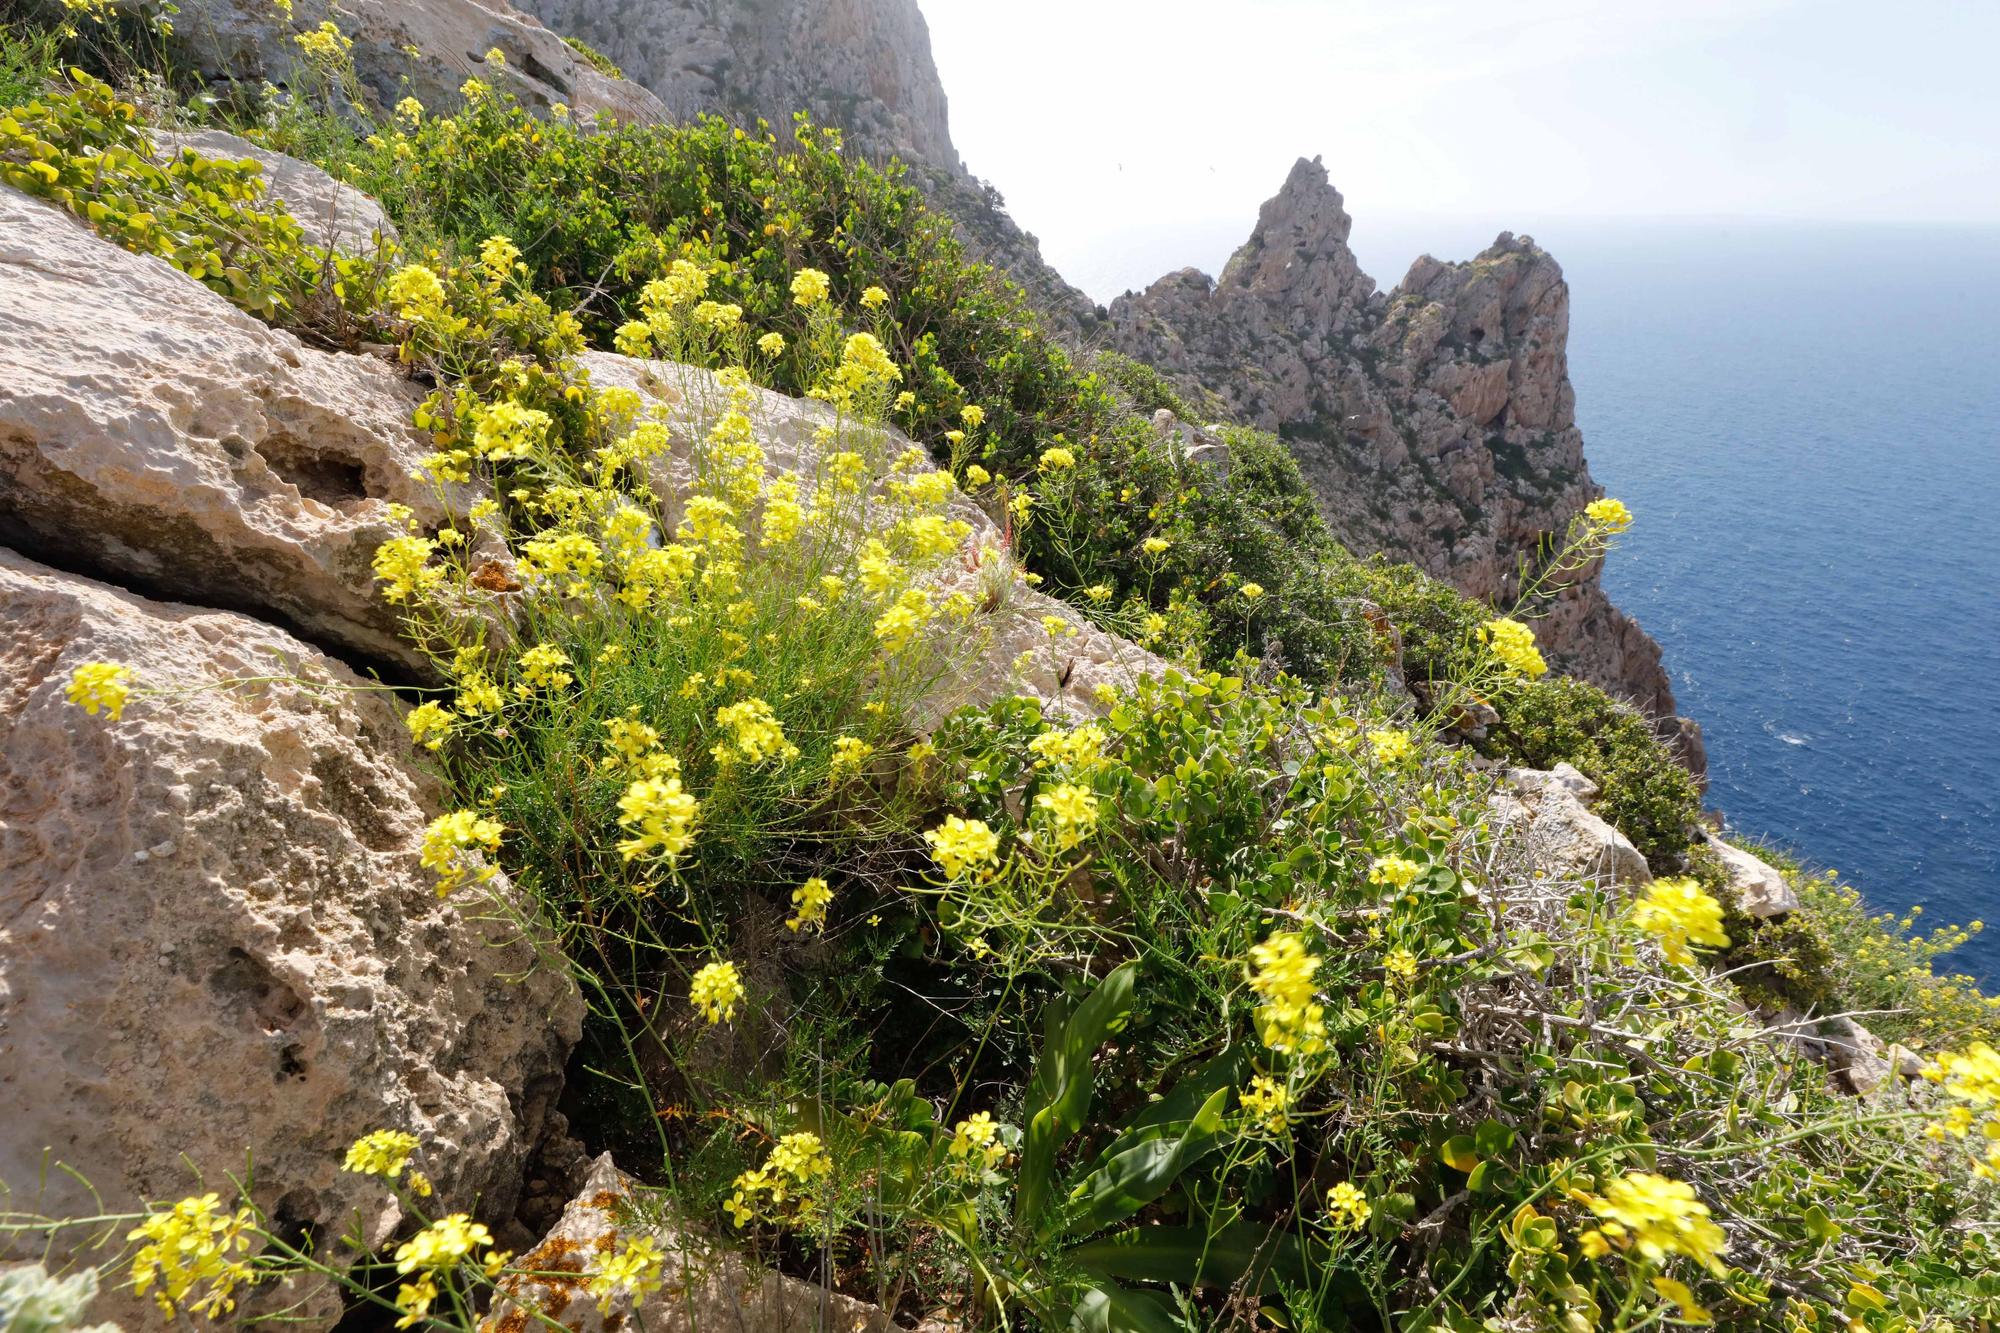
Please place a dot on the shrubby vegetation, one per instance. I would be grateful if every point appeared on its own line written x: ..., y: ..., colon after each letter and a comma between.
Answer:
x: 1239, y: 1015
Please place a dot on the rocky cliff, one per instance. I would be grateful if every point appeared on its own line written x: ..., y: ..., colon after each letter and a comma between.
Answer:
x: 1436, y: 421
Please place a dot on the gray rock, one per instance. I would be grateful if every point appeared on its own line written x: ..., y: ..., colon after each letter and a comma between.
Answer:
x: 1761, y: 891
x: 1561, y: 836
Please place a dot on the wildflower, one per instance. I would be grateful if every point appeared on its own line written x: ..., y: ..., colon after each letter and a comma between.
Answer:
x: 448, y: 838
x: 874, y: 298
x: 1074, y: 810
x: 973, y: 415
x: 1677, y: 912
x: 755, y: 734
x: 1390, y: 747
x: 1659, y: 1217
x: 1397, y: 872
x: 1346, y: 1206
x: 866, y: 361
x: 1251, y: 592
x: 897, y: 626
x: 1080, y: 748
x: 383, y: 1153
x: 508, y: 430
x: 718, y: 315
x: 442, y: 1244
x: 1608, y: 514
x: 637, y: 1269
x: 1514, y: 644
x: 415, y: 291
x: 325, y: 44
x: 1155, y: 545
x: 849, y: 753
x: 1289, y: 1021
x: 809, y: 288
x: 772, y: 344
x: 1400, y: 966
x: 429, y: 724
x: 402, y: 565
x: 809, y: 903
x: 977, y: 476
x: 960, y: 845
x: 975, y: 1143
x: 96, y: 686
x: 633, y: 338
x: 191, y: 1245
x: 1020, y: 507
x: 1056, y: 459
x: 542, y: 668
x: 660, y: 815
x: 802, y: 1157
x: 497, y: 256
x: 1266, y: 1101
x: 715, y: 990
x: 414, y: 1300
x: 410, y: 111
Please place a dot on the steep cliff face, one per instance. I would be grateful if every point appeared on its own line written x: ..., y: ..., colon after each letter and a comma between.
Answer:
x: 1436, y: 421
x: 862, y: 65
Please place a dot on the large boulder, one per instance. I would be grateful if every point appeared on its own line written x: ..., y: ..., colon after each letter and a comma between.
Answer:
x: 152, y: 433
x: 1546, y: 813
x: 424, y: 49
x: 218, y: 950
x: 1761, y: 890
x: 703, y: 1287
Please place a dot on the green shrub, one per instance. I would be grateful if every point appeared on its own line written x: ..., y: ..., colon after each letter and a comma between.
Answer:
x: 594, y: 58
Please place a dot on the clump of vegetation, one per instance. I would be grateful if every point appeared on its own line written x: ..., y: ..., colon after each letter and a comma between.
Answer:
x: 1237, y: 1011
x: 594, y: 58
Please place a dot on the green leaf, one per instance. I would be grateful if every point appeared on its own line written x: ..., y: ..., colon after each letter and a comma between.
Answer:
x: 1194, y: 1256
x: 1143, y: 1166
x: 1459, y: 1153
x: 1059, y: 1094
x: 1112, y: 1309
x: 1492, y: 1139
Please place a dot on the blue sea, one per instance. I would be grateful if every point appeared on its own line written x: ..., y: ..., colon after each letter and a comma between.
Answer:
x: 1807, y: 423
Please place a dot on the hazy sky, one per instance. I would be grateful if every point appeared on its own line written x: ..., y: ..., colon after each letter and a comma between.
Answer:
x: 1136, y: 136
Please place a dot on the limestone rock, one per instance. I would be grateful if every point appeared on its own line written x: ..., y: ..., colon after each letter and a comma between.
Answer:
x: 333, y: 214
x: 152, y: 432
x: 1861, y: 1062
x: 407, y: 48
x: 1761, y: 891
x: 216, y: 940
x: 705, y: 1287
x: 1563, y: 839
x: 1435, y: 422
x: 1010, y: 649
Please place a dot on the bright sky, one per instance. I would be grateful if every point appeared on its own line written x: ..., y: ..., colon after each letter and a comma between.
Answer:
x: 1137, y: 136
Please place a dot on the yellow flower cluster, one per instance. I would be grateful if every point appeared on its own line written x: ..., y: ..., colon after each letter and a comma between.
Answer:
x: 1267, y: 1101
x: 1677, y: 912
x: 660, y: 814
x: 383, y: 1153
x: 100, y: 687
x: 1081, y: 748
x: 637, y: 1269
x: 1390, y: 746
x: 403, y: 565
x: 809, y: 288
x: 193, y: 1250
x: 448, y: 839
x: 1396, y: 872
x: 961, y: 845
x: 755, y: 735
x: 1347, y: 1207
x: 1608, y: 514
x: 975, y: 1144
x: 1071, y: 810
x: 716, y: 989
x: 1289, y: 1021
x: 797, y: 1163
x: 1514, y: 645
x: 1658, y: 1217
x: 809, y: 904
x: 1970, y: 1080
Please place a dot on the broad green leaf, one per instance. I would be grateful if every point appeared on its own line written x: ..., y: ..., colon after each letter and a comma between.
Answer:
x: 1148, y: 1165
x: 1059, y: 1094
x: 1193, y: 1256
x: 1458, y: 1153
x: 1112, y: 1309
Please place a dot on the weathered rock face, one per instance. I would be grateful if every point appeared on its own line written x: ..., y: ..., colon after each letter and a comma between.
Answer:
x: 153, y: 433
x: 863, y: 66
x: 407, y: 48
x: 1436, y: 422
x: 332, y: 214
x: 704, y: 1287
x: 1547, y: 814
x: 1761, y: 891
x: 216, y: 939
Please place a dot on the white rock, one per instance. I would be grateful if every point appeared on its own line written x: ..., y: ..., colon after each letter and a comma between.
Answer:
x: 285, y: 981
x: 1761, y: 891
x: 704, y: 1287
x: 152, y: 432
x: 333, y: 215
x: 1561, y: 835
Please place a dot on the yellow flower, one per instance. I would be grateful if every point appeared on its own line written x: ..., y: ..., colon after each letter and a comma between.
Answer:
x: 324, y: 45
x: 1267, y: 1101
x: 441, y: 1245
x: 542, y: 668
x: 809, y: 287
x: 402, y: 564
x: 1400, y: 966
x: 755, y: 734
x: 809, y: 904
x: 429, y: 724
x: 801, y: 1156
x: 449, y: 837
x: 874, y: 298
x: 1073, y: 810
x: 1290, y: 1020
x: 1608, y: 514
x: 414, y: 1300
x: 660, y: 815
x: 867, y: 362
x: 849, y: 753
x: 1252, y: 592
x: 973, y: 415
x: 383, y: 1153
x: 897, y: 626
x: 1660, y: 1217
x: 1390, y: 747
x: 1347, y: 1207
x: 633, y: 338
x: 415, y: 292
x: 1514, y: 644
x: 975, y: 1143
x: 715, y: 990
x: 191, y: 1245
x: 1155, y: 545
x: 1677, y: 912
x: 1057, y: 459
x: 410, y: 111
x: 1398, y: 872
x: 638, y: 1269
x: 508, y: 430
x: 772, y: 344
x: 497, y: 255
x: 96, y: 686
x: 960, y: 845
x: 976, y: 476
